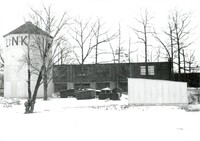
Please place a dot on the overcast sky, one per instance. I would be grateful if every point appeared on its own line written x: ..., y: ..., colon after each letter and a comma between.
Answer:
x: 13, y: 12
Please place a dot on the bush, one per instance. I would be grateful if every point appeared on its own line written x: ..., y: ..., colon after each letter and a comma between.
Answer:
x: 193, y: 99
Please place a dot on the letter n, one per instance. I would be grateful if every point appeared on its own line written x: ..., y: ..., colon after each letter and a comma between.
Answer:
x: 14, y: 41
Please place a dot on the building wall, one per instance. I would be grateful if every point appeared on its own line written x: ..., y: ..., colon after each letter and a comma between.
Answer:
x: 192, y: 79
x: 107, y: 75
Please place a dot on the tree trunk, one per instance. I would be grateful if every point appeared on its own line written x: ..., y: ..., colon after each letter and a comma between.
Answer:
x: 28, y: 103
x: 31, y: 103
x: 184, y: 67
x: 179, y: 50
x: 145, y: 44
x: 179, y: 62
x: 35, y: 91
x: 45, y: 85
x: 81, y: 86
x: 172, y: 55
x: 29, y: 83
x: 96, y: 53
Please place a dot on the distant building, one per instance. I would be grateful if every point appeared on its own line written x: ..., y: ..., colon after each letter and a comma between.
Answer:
x: 15, y: 67
x: 98, y: 76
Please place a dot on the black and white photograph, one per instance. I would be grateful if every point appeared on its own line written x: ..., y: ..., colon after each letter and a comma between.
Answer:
x: 99, y: 70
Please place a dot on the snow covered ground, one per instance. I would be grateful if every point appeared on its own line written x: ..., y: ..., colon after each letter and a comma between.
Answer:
x: 98, y: 120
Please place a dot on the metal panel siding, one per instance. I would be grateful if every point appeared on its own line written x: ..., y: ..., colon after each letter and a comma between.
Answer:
x: 159, y: 90
x: 149, y: 96
x: 154, y: 91
x: 7, y: 89
x: 172, y: 92
x: 166, y: 95
x: 176, y: 94
x: 146, y: 91
x: 132, y: 90
x: 142, y: 91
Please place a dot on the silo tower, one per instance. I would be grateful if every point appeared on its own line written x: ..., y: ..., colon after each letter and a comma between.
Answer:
x: 15, y: 66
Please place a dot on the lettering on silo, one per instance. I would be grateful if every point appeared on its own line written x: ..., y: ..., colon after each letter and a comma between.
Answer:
x: 23, y: 40
x: 16, y: 41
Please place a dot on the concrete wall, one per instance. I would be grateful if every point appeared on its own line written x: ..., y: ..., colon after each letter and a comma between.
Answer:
x: 153, y: 92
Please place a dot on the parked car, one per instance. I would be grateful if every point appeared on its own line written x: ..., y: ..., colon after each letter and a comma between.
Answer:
x: 113, y: 94
x: 67, y: 93
x: 97, y: 93
x: 86, y: 94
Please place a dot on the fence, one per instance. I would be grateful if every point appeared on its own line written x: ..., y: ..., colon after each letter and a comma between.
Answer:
x: 156, y: 92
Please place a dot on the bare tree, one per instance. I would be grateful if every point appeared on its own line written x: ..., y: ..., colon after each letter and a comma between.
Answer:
x: 120, y: 51
x: 27, y: 60
x: 64, y: 53
x: 188, y: 60
x: 181, y: 30
x: 101, y: 36
x: 142, y: 34
x: 130, y: 51
x: 164, y: 44
x: 178, y: 31
x: 83, y: 38
x: 86, y: 37
x: 112, y: 52
x: 129, y: 57
x: 83, y: 35
x: 168, y: 45
x: 46, y: 47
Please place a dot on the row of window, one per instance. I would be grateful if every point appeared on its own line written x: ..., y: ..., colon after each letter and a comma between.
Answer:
x: 151, y: 70
x: 106, y: 71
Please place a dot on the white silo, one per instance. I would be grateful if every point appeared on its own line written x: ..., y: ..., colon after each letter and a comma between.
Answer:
x: 15, y: 67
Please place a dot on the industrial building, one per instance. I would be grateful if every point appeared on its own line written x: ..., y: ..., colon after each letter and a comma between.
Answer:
x: 98, y: 76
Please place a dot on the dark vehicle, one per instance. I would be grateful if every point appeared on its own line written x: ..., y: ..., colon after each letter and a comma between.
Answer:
x: 97, y: 93
x: 67, y: 93
x: 113, y: 94
x: 86, y: 94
